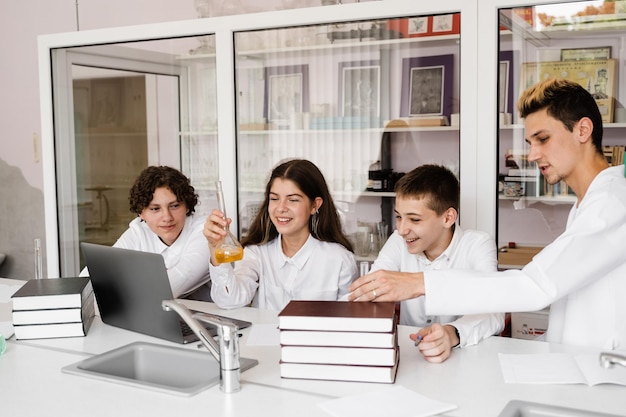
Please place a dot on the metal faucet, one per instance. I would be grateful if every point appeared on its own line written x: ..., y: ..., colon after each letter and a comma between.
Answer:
x: 608, y: 359
x: 226, y: 353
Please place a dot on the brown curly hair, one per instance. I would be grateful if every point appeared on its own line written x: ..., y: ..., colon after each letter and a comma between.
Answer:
x: 153, y: 177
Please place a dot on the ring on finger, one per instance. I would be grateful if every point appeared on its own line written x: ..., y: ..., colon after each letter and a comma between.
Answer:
x: 374, y: 293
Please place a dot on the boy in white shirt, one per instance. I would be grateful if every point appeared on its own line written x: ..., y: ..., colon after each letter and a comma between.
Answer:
x: 428, y: 238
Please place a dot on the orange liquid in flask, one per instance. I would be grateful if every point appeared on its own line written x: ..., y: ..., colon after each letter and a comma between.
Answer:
x: 225, y: 254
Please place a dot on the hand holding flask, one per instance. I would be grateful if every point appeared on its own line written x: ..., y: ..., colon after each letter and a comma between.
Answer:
x: 229, y: 250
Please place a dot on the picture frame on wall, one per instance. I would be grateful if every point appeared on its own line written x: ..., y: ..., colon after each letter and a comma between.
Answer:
x: 586, y: 54
x: 506, y: 83
x: 417, y: 25
x: 427, y: 86
x: 106, y: 107
x: 443, y: 23
x: 597, y: 76
x: 286, y: 92
x: 359, y: 89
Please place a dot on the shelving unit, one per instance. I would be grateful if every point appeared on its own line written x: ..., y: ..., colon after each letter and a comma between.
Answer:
x: 233, y: 152
x: 534, y: 43
x: 342, y: 153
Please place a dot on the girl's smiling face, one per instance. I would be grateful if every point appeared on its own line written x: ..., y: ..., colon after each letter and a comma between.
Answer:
x: 290, y: 209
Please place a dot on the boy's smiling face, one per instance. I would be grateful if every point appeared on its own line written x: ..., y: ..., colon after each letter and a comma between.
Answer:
x: 422, y: 229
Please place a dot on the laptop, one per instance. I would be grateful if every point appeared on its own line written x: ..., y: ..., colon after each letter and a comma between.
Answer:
x: 130, y: 285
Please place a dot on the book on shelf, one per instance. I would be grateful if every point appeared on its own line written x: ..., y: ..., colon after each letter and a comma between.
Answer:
x: 524, y: 172
x: 339, y: 355
x: 338, y: 316
x: 614, y: 154
x: 427, y: 121
x: 56, y: 330
x: 521, y: 179
x: 39, y: 294
x: 347, y: 339
x: 560, y: 189
x: 355, y: 373
x: 54, y: 315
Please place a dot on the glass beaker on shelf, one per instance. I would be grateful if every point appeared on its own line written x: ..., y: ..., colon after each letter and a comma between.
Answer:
x: 230, y: 250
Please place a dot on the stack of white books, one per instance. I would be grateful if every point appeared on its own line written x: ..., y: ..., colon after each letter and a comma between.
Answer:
x: 336, y: 340
x: 53, y: 307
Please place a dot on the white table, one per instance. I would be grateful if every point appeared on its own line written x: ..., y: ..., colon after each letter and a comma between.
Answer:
x: 31, y: 381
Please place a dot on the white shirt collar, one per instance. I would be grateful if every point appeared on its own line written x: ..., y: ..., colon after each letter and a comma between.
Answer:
x: 301, y: 257
x: 449, y: 252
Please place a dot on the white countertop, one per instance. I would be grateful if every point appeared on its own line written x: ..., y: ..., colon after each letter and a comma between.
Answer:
x: 31, y: 381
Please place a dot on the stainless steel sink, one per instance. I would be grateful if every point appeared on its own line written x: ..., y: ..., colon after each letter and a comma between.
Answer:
x: 517, y: 408
x: 157, y: 367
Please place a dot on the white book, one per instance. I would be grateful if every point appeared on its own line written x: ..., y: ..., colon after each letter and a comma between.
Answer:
x: 53, y: 316
x: 339, y: 355
x: 524, y: 172
x: 338, y: 316
x: 559, y: 368
x: 344, y: 339
x: 50, y: 331
x: 381, y: 374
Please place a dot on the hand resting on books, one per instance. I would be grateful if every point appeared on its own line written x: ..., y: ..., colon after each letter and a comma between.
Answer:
x: 437, y: 340
x: 384, y: 285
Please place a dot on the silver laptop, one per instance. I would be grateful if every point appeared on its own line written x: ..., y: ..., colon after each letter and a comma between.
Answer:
x: 129, y: 287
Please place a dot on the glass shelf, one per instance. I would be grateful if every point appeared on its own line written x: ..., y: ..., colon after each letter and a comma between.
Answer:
x: 535, y: 220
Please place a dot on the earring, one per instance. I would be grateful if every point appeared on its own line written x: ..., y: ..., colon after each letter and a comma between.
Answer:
x: 314, y: 223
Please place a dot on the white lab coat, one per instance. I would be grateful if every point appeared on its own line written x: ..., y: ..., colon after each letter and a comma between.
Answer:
x: 469, y: 249
x: 582, y: 274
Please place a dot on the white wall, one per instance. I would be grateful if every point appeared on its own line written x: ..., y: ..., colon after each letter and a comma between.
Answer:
x: 21, y: 21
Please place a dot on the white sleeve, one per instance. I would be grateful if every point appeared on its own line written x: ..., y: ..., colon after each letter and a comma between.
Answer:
x: 192, y: 269
x: 348, y: 273
x: 476, y: 327
x: 236, y: 287
x: 559, y: 269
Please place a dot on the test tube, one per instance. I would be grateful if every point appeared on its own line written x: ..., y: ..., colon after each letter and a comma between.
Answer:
x: 364, y: 267
x: 38, y: 260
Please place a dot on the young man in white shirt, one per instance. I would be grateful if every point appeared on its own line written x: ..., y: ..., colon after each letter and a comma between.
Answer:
x: 582, y: 274
x: 428, y: 238
x: 164, y: 201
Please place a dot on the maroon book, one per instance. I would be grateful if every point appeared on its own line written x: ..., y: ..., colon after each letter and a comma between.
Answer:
x: 338, y: 316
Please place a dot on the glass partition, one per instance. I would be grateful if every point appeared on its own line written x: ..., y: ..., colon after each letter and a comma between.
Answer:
x: 119, y: 108
x: 365, y: 101
x: 582, y: 41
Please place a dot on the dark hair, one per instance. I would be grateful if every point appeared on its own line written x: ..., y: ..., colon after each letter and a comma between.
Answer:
x: 435, y: 183
x: 153, y: 177
x: 312, y: 183
x: 566, y: 101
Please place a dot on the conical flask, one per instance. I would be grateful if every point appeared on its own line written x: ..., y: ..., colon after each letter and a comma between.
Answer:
x: 230, y: 250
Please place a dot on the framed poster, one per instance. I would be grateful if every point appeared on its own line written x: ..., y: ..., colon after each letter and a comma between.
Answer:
x: 359, y: 88
x: 506, y: 96
x: 586, y: 54
x: 417, y: 26
x: 107, y: 108
x: 597, y: 76
x: 427, y: 86
x: 286, y: 92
